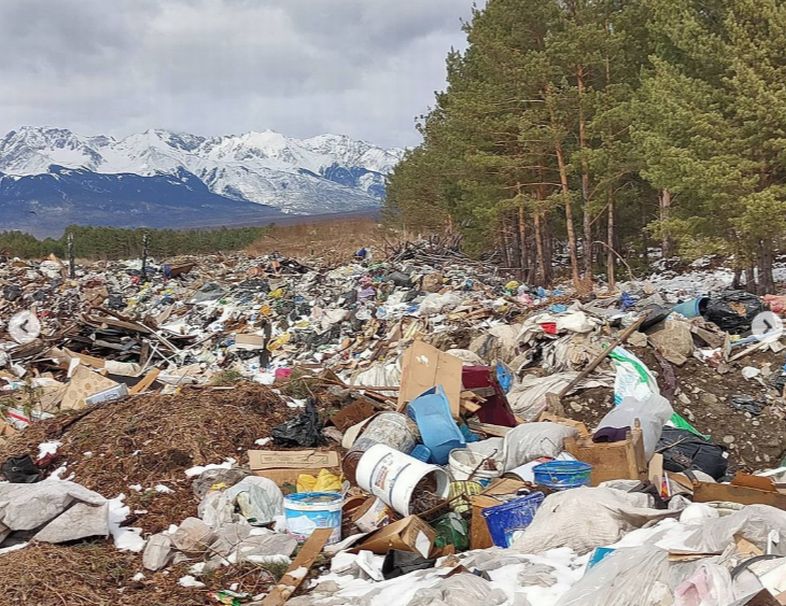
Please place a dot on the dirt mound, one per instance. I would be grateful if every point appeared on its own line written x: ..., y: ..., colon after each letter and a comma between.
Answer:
x: 149, y: 441
x: 703, y: 396
x: 100, y: 575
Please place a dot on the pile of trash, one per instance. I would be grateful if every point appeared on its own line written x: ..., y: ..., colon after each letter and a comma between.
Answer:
x: 417, y: 430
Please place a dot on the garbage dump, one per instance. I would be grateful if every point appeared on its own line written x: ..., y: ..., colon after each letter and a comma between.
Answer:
x: 410, y: 427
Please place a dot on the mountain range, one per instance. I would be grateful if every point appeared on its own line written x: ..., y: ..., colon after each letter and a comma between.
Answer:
x: 53, y: 177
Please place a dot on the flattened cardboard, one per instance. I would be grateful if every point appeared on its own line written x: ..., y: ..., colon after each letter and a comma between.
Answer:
x: 292, y: 459
x: 423, y: 367
x: 409, y: 534
x: 84, y: 383
x: 744, y: 489
x: 284, y: 466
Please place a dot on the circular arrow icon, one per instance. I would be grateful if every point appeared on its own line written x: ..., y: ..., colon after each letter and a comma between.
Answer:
x: 767, y: 327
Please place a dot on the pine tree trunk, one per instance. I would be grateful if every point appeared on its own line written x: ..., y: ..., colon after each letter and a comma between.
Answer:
x: 563, y: 177
x: 512, y: 234
x: 503, y: 244
x: 548, y: 248
x: 750, y: 279
x: 735, y: 281
x: 572, y: 251
x: 523, y: 238
x: 664, y: 203
x: 587, y: 222
x: 539, y: 249
x: 766, y: 279
x: 610, y: 277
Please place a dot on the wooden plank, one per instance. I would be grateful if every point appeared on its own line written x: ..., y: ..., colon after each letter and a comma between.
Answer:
x: 146, y: 381
x: 298, y: 569
x: 601, y: 356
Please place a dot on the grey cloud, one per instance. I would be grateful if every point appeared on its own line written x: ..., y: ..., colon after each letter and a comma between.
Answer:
x: 362, y: 67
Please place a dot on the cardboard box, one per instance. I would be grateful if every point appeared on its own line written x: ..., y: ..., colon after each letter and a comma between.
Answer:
x: 744, y: 489
x: 410, y: 534
x: 84, y: 383
x: 612, y: 460
x: 284, y: 466
x: 479, y: 537
x: 424, y: 367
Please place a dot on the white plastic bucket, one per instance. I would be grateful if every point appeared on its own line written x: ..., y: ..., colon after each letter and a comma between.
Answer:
x: 463, y: 462
x: 306, y: 511
x: 393, y: 476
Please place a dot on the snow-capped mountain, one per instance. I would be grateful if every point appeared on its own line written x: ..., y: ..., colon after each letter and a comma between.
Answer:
x: 328, y: 173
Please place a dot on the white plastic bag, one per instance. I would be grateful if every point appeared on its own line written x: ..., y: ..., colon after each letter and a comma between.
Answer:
x: 636, y: 575
x: 530, y: 441
x: 652, y: 412
x: 632, y: 378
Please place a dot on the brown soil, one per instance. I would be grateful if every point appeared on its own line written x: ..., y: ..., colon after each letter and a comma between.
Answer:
x: 759, y: 441
x: 97, y: 574
x: 153, y: 439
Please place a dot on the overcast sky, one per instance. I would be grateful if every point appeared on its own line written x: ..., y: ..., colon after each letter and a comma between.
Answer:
x: 364, y: 68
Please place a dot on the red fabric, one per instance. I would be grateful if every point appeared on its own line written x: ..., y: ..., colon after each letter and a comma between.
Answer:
x: 496, y: 409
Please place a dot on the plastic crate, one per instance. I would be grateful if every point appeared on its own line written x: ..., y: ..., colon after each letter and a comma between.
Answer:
x: 505, y: 519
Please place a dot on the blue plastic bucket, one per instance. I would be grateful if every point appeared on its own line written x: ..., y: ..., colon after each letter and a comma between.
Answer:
x: 506, y: 519
x: 561, y: 475
x: 304, y: 512
x: 691, y: 308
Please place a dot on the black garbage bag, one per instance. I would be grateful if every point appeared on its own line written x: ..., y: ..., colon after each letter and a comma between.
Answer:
x: 302, y: 430
x: 733, y: 310
x: 748, y: 404
x: 398, y: 563
x: 655, y: 314
x: 683, y: 450
x: 21, y: 470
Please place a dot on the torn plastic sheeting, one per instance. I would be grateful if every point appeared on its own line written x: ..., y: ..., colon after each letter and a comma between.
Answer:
x: 435, y: 303
x: 753, y: 523
x: 259, y: 498
x: 709, y: 585
x: 638, y: 575
x: 257, y: 547
x: 528, y: 398
x: 78, y: 522
x: 570, y: 352
x: 29, y: 506
x: 499, y: 343
x: 530, y: 441
x: 462, y: 589
x: 733, y: 310
x: 563, y: 520
x: 388, y: 375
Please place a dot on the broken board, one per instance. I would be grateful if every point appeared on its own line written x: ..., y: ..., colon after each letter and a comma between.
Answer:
x: 299, y: 568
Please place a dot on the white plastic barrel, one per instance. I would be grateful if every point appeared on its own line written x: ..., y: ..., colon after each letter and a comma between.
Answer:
x: 393, y: 476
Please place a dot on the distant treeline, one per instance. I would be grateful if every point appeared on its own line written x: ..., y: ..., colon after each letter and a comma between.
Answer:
x: 119, y: 243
